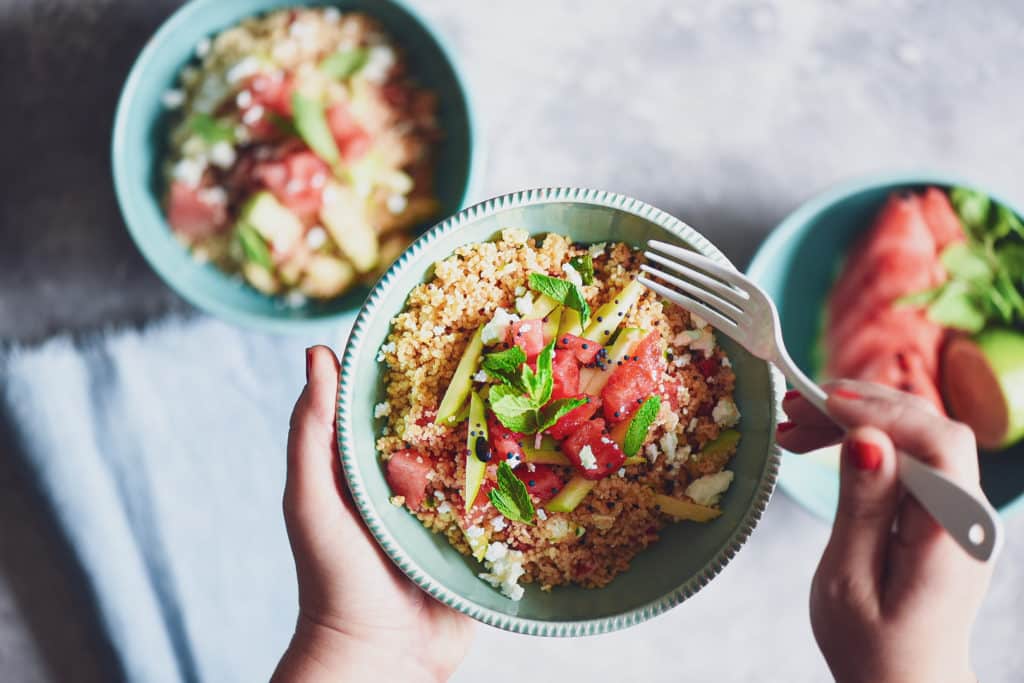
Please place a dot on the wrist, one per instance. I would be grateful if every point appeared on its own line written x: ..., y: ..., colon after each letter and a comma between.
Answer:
x: 318, y: 652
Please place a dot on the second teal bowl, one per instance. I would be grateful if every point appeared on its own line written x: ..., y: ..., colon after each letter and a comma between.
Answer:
x: 139, y: 143
x: 796, y: 266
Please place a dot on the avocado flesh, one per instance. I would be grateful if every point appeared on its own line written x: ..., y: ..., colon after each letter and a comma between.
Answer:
x: 475, y: 468
x: 462, y: 381
x: 607, y: 318
x: 571, y: 495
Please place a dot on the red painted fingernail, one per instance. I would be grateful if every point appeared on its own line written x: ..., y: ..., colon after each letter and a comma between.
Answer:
x: 791, y: 394
x: 847, y: 394
x: 866, y: 455
x: 309, y: 362
x: 785, y: 426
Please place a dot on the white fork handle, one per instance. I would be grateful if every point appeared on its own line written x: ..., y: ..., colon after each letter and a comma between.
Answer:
x: 969, y: 518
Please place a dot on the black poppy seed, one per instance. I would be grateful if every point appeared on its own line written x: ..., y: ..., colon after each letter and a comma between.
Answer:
x: 600, y: 319
x: 532, y: 483
x: 607, y: 332
x: 636, y: 357
x: 565, y: 341
x: 554, y: 489
x: 616, y: 413
x: 607, y: 465
x: 586, y: 346
x: 610, y: 504
x: 620, y: 314
x: 640, y: 400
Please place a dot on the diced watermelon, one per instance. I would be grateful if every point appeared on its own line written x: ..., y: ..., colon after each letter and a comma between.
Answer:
x: 566, y: 373
x: 273, y: 93
x: 407, y: 476
x: 543, y: 482
x: 584, y: 349
x: 527, y: 335
x: 891, y: 330
x: 297, y: 180
x: 635, y: 380
x: 192, y: 216
x: 608, y: 456
x: 941, y: 218
x: 572, y: 420
x: 353, y: 140
x: 504, y: 442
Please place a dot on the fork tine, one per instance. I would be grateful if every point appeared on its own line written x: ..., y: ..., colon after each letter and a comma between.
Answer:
x: 721, y: 289
x: 699, y: 261
x: 714, y: 317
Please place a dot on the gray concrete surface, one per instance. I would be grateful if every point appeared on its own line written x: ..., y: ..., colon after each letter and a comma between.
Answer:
x: 727, y: 114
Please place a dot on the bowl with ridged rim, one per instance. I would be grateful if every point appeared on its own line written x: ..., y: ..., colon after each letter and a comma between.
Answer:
x: 687, y: 556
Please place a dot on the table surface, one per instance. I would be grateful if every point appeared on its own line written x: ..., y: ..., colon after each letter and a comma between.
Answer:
x: 726, y: 114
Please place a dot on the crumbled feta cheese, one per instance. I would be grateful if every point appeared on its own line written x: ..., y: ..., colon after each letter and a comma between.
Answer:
x: 726, y: 363
x: 203, y: 48
x: 725, y: 413
x: 587, y: 458
x: 525, y: 328
x: 301, y: 30
x: 495, y: 330
x: 242, y: 69
x: 379, y: 61
x: 396, y: 203
x: 332, y: 15
x: 506, y: 566
x: 557, y: 528
x: 698, y: 322
x: 444, y: 508
x: 222, y: 154
x: 520, y: 290
x: 682, y: 360
x: 524, y: 305
x: 284, y: 50
x: 683, y: 454
x: 480, y: 376
x: 498, y: 523
x: 439, y: 495
x: 669, y: 443
x: 541, y: 515
x: 243, y: 99
x: 190, y: 170
x: 621, y: 472
x: 651, y: 450
x: 572, y: 275
x: 382, y: 409
x: 705, y: 342
x: 295, y: 299
x: 530, y: 467
x: 693, y: 424
x: 596, y: 250
x: 439, y: 330
x: 173, y: 98
x: 252, y: 115
x: 316, y: 237
x: 384, y: 349
x: 474, y: 532
x: 514, y: 461
x: 214, y: 196
x: 431, y: 476
x: 200, y: 255
x: 709, y: 489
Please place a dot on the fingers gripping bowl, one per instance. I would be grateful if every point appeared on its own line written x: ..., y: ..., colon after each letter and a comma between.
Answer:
x: 686, y: 556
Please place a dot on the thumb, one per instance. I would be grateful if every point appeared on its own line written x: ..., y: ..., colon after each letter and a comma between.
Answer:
x: 868, y: 497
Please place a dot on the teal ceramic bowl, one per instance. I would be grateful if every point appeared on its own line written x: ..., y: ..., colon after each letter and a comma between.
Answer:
x: 688, y: 555
x: 796, y: 266
x: 140, y: 133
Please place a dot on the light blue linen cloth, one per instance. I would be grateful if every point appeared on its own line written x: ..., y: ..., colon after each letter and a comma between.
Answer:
x: 162, y: 453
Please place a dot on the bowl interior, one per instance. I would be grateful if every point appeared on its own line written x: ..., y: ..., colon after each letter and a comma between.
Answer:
x: 140, y: 134
x: 796, y: 266
x: 688, y: 554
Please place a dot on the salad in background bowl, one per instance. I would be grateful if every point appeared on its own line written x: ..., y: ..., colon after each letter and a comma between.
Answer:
x: 915, y: 282
x: 294, y: 150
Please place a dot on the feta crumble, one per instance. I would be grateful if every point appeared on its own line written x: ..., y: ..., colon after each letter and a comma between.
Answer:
x: 506, y: 566
x: 474, y: 532
x: 621, y: 472
x: 498, y: 523
x: 378, y: 64
x: 316, y: 237
x: 396, y: 203
x: 439, y: 330
x: 172, y: 99
x: 541, y: 515
x: 596, y: 250
x: 572, y: 275
x: 651, y: 450
x: 242, y: 69
x: 444, y: 508
x: 222, y: 154
x: 693, y: 425
x: 295, y: 299
x: 587, y: 458
x: 709, y: 489
x: 190, y: 171
x: 725, y: 413
x: 243, y: 99
x: 524, y: 305
x: 480, y: 376
x: 669, y: 444
x: 386, y: 348
x: 439, y: 495
x: 252, y: 115
x: 495, y: 330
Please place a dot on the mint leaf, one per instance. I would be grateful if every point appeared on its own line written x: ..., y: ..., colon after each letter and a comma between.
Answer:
x: 956, y: 307
x: 1011, y: 258
x: 640, y: 425
x: 515, y: 411
x: 253, y: 246
x: 342, y: 65
x: 1006, y: 222
x: 972, y: 207
x: 562, y: 291
x: 511, y: 497
x: 554, y: 411
x: 540, y: 383
x: 504, y: 366
x: 966, y: 262
x: 210, y: 129
x: 584, y: 265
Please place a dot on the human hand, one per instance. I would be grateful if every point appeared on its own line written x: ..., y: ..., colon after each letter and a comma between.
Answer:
x: 360, y: 618
x: 894, y: 596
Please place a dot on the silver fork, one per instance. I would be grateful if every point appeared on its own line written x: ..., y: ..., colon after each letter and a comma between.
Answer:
x: 737, y: 307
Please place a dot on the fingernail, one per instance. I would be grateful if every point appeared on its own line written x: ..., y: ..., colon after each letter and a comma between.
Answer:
x: 309, y: 362
x: 866, y: 455
x: 791, y: 394
x: 785, y: 426
x: 847, y: 394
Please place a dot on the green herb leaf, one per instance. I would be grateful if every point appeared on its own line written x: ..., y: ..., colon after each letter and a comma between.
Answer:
x: 1011, y: 258
x: 554, y: 411
x: 967, y: 262
x: 956, y: 307
x: 1006, y: 223
x: 562, y: 291
x: 342, y: 65
x: 539, y: 384
x: 972, y: 207
x: 511, y: 497
x: 919, y: 299
x: 640, y: 425
x: 517, y: 402
x: 210, y: 129
x: 584, y: 265
x: 283, y: 125
x: 253, y: 246
x: 504, y: 366
x: 311, y: 122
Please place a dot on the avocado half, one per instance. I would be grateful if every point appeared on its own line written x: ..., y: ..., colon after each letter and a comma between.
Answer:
x: 982, y: 382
